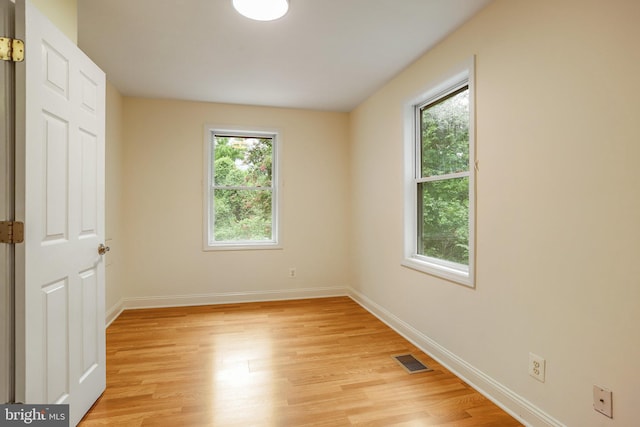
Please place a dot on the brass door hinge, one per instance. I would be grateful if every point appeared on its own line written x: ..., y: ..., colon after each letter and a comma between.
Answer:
x: 11, y: 232
x: 11, y: 49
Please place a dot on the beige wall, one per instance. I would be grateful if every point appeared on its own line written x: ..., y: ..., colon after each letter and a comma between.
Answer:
x: 163, y: 198
x: 63, y: 13
x: 558, y: 199
x: 114, y: 194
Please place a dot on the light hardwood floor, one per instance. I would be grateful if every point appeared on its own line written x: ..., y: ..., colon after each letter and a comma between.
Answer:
x: 317, y: 362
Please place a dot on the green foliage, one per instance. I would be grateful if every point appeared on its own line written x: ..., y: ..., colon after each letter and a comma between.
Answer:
x: 445, y: 135
x: 444, y: 209
x: 242, y: 189
x: 445, y: 219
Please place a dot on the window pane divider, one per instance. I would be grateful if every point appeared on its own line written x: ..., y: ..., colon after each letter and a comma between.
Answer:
x: 442, y: 177
x: 234, y: 187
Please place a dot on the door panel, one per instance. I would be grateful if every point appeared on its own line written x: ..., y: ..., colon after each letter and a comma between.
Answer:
x: 89, y: 184
x: 54, y: 146
x: 90, y: 346
x: 60, y: 108
x: 56, y: 338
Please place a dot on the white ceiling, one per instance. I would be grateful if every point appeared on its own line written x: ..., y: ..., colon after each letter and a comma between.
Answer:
x: 324, y: 54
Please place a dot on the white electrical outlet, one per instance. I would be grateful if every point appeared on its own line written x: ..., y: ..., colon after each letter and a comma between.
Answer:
x: 602, y: 401
x: 292, y: 272
x: 537, y: 367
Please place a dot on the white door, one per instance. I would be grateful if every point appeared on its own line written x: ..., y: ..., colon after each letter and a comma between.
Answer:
x: 60, y: 128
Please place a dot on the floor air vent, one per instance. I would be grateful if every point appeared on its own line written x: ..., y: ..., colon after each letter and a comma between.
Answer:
x: 411, y: 364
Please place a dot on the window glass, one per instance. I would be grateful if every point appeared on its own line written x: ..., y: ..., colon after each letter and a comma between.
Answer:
x: 444, y: 130
x: 242, y: 215
x: 444, y: 219
x: 443, y: 195
x: 243, y: 161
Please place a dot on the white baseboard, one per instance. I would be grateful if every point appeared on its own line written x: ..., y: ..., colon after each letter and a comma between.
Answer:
x: 113, y: 313
x: 518, y: 407
x: 228, y: 298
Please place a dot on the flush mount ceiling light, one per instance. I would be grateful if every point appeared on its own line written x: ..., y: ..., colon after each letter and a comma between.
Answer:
x: 262, y: 10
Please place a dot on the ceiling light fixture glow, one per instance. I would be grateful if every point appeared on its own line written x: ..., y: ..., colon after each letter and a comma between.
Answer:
x: 262, y: 10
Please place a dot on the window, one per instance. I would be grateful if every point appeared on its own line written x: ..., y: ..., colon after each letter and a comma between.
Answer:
x: 242, y: 189
x: 439, y: 196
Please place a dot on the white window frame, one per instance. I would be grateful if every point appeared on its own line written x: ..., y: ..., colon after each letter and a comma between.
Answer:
x: 208, y: 203
x: 465, y: 275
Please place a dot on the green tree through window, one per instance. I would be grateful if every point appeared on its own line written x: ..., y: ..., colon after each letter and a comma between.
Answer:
x: 242, y: 188
x: 443, y: 181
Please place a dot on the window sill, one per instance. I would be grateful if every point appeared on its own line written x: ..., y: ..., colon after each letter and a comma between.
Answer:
x: 243, y: 247
x: 451, y: 274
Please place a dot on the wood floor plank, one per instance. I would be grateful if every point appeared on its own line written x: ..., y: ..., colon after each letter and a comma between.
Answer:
x: 317, y: 362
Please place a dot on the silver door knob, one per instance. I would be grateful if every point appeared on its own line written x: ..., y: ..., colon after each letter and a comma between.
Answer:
x: 102, y: 249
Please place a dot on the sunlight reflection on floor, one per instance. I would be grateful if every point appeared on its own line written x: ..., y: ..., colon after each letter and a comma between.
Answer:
x: 240, y: 393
